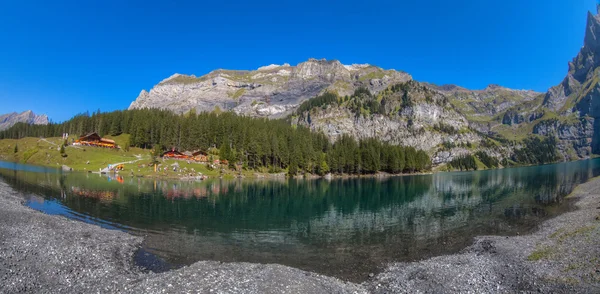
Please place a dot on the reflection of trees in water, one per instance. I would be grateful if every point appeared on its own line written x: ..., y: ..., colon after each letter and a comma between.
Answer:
x: 331, y: 211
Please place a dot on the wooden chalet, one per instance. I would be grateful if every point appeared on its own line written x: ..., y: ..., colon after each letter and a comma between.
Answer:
x: 93, y: 139
x: 174, y: 154
x: 200, y: 156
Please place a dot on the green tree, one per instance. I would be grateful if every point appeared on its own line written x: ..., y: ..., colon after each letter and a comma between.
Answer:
x: 16, y: 148
x: 323, y: 168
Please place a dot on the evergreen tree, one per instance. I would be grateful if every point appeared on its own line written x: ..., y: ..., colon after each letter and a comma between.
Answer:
x: 257, y: 143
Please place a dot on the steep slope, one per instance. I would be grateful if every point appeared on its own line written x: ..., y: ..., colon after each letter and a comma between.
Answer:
x: 371, y: 102
x: 409, y: 114
x: 487, y: 103
x: 570, y: 110
x: 9, y: 119
x: 270, y: 91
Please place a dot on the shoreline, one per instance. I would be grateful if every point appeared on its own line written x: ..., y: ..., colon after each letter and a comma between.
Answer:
x: 45, y: 253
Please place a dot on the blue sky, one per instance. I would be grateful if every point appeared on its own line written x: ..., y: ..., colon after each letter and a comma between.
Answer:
x: 65, y: 57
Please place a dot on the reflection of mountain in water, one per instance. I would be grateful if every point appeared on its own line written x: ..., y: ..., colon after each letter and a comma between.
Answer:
x: 292, y: 221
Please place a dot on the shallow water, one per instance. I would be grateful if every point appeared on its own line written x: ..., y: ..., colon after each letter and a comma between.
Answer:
x: 346, y: 227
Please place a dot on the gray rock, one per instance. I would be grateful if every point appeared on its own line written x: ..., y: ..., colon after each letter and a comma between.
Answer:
x: 9, y: 119
x: 271, y: 91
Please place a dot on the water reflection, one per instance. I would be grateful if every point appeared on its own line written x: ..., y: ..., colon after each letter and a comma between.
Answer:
x: 346, y: 228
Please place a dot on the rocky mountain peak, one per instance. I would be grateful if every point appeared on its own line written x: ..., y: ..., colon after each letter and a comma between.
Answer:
x: 587, y: 59
x: 322, y: 68
x: 271, y: 90
x: 493, y: 87
x: 9, y: 119
x: 581, y: 69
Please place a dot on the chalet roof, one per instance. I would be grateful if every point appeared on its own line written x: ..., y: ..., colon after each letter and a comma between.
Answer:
x: 199, y: 152
x: 90, y: 136
x: 107, y: 141
x: 172, y: 152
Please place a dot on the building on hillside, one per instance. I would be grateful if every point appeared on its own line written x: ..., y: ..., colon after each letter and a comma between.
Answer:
x: 200, y: 156
x: 93, y: 139
x: 174, y: 154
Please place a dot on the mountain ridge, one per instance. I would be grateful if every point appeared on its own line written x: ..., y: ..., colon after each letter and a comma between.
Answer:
x: 441, y: 119
x: 9, y: 119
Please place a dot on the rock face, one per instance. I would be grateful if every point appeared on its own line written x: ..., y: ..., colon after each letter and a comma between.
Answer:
x: 9, y: 119
x: 576, y: 100
x: 582, y: 75
x: 569, y: 111
x: 270, y: 91
x: 487, y: 102
x: 414, y: 115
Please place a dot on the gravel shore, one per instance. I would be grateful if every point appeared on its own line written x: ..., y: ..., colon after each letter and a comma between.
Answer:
x: 41, y: 253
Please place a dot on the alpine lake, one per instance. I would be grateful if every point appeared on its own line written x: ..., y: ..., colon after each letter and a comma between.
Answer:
x: 345, y: 228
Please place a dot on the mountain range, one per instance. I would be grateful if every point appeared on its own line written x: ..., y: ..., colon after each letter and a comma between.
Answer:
x: 9, y: 119
x: 445, y: 120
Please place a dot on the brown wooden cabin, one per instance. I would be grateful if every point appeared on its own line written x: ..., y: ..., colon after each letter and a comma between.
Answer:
x: 200, y: 156
x: 93, y: 139
x: 174, y: 154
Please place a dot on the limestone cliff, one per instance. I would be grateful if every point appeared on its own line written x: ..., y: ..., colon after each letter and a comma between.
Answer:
x: 270, y: 91
x: 570, y: 110
x: 444, y: 120
x: 409, y: 114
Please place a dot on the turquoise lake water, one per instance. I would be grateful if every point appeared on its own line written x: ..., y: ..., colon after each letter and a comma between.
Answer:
x: 346, y: 228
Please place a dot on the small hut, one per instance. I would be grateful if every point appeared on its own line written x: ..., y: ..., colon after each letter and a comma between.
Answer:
x: 174, y: 154
x: 200, y: 156
x: 93, y: 139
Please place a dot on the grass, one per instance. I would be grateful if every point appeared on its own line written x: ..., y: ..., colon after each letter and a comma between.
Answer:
x: 29, y: 153
x: 237, y: 94
x: 372, y: 75
x: 183, y: 79
x: 539, y: 253
x: 46, y: 152
x: 579, y: 231
x: 558, y: 232
x: 480, y: 165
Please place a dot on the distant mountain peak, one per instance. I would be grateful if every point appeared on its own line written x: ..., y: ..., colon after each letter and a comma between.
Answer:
x: 9, y: 119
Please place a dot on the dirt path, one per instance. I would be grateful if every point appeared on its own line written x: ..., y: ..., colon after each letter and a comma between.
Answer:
x: 138, y: 156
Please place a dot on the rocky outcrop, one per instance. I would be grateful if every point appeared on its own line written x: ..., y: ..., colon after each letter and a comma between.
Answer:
x: 276, y: 91
x: 490, y: 101
x: 427, y: 122
x: 9, y: 119
x: 582, y: 69
x: 512, y: 117
x: 575, y: 136
x: 578, y: 96
x: 270, y: 91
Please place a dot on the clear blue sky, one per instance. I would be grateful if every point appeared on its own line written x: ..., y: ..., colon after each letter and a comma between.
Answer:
x: 66, y: 57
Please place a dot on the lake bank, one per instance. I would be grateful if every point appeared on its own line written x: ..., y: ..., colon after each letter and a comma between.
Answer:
x: 137, y: 161
x: 49, y: 253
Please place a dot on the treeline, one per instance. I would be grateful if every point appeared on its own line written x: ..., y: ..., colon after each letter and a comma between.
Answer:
x: 464, y: 162
x: 256, y: 143
x: 320, y: 101
x: 488, y: 161
x: 537, y: 151
x: 363, y: 102
x: 370, y: 156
